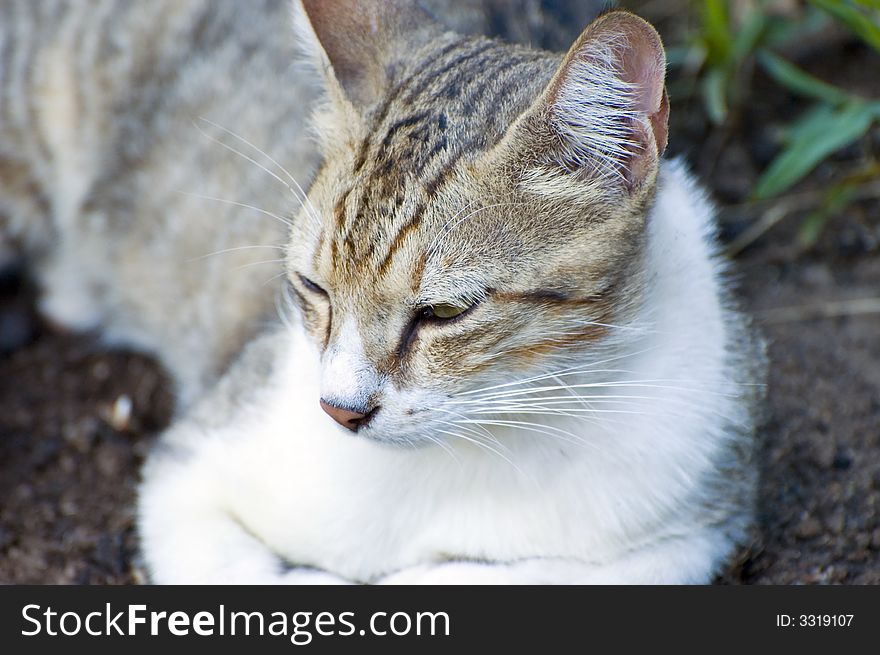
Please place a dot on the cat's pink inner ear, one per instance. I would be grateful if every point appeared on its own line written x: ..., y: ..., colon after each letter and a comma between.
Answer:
x: 363, y: 40
x: 643, y: 64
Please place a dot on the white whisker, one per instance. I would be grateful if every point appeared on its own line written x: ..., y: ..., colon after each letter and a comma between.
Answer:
x: 315, y: 221
x: 449, y: 451
x: 226, y: 251
x: 246, y: 158
x: 539, y: 428
x: 571, y: 370
x: 448, y: 228
x: 636, y: 384
x: 484, y: 446
x: 313, y: 213
x: 286, y: 222
x: 273, y: 278
x: 260, y: 263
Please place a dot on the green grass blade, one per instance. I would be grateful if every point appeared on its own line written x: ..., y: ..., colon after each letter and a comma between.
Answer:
x: 715, y: 95
x: 800, y: 81
x: 747, y: 38
x: 860, y: 22
x: 836, y: 200
x: 716, y: 31
x: 822, y: 132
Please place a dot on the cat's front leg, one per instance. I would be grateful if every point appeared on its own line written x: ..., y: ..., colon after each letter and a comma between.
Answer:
x: 189, y: 537
x: 479, y: 573
x: 686, y: 559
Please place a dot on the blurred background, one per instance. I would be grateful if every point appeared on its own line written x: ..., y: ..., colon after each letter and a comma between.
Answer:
x: 776, y: 105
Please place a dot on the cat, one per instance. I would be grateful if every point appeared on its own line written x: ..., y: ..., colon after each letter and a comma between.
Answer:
x: 507, y: 350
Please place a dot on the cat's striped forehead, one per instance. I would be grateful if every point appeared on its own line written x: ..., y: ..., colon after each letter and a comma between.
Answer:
x: 441, y: 114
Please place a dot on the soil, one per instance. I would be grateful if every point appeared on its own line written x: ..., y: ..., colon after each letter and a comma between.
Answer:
x: 76, y: 422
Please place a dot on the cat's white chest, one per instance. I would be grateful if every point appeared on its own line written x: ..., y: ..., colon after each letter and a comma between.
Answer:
x: 321, y: 497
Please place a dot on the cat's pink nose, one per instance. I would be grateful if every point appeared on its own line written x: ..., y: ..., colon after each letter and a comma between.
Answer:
x: 346, y: 417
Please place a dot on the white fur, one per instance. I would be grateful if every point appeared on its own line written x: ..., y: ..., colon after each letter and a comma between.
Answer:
x: 229, y: 500
x: 68, y: 299
x: 347, y: 378
x: 594, y: 111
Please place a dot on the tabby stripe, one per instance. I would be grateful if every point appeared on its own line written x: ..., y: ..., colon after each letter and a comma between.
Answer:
x: 338, y: 222
x: 537, y: 295
x: 559, y: 342
x: 86, y: 49
x: 432, y: 188
x: 334, y: 252
x: 378, y: 120
x: 155, y: 81
x: 329, y: 330
x: 200, y: 31
x: 465, y: 77
x: 381, y: 174
x: 419, y: 272
x: 18, y: 75
x: 5, y: 53
x: 512, y: 82
x: 409, y: 121
x: 29, y: 99
x: 428, y: 77
x: 551, y: 296
x: 360, y: 161
x: 479, y: 340
x: 526, y: 354
x: 478, y: 98
x: 441, y: 145
x: 401, y: 235
x: 301, y: 299
x: 380, y: 178
x: 79, y: 32
x: 6, y: 66
x: 435, y: 58
x: 307, y: 307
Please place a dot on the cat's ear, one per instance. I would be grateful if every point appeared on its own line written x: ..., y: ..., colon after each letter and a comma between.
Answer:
x: 361, y: 43
x: 603, y: 117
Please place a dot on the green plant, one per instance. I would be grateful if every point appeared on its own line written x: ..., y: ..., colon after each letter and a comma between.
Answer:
x: 725, y: 50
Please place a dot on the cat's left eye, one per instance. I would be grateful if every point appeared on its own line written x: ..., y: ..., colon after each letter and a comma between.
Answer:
x: 444, y: 311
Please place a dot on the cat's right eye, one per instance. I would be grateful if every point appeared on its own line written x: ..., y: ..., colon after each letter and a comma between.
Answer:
x: 311, y: 286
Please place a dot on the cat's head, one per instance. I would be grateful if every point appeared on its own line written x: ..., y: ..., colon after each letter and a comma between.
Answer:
x: 479, y: 218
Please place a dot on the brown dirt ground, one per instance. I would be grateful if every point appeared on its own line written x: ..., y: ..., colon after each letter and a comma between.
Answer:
x: 69, y: 463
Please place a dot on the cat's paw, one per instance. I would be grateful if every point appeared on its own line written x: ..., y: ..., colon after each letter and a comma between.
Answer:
x: 311, y: 577
x: 454, y: 573
x: 411, y: 576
